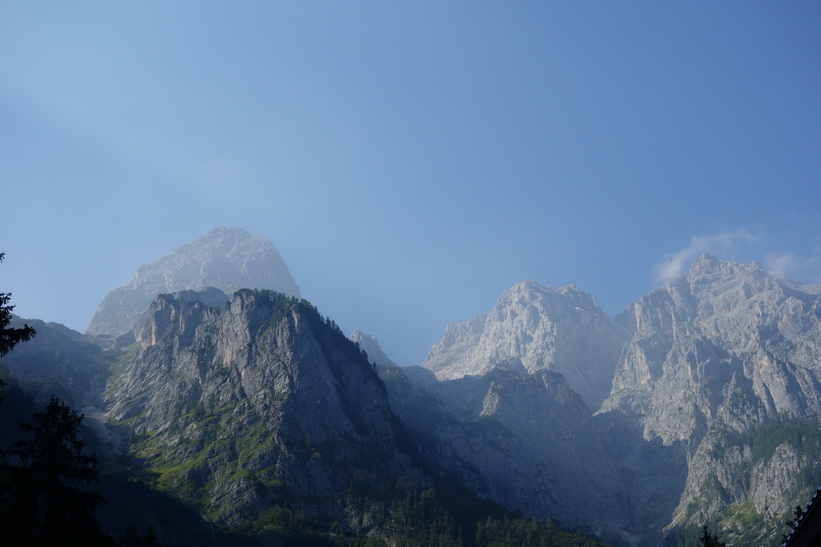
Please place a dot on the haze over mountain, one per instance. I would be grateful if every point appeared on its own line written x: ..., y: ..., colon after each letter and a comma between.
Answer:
x: 225, y: 258
x: 712, y: 416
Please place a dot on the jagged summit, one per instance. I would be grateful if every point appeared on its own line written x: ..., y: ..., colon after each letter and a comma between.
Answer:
x: 709, y: 268
x: 533, y: 327
x: 526, y: 291
x: 740, y: 319
x: 225, y: 258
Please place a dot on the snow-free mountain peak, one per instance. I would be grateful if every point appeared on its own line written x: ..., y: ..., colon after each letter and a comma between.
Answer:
x: 225, y: 258
x: 531, y: 328
x: 725, y: 357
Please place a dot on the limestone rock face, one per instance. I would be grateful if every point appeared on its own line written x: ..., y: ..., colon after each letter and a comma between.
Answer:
x: 726, y: 342
x: 727, y: 360
x: 255, y: 403
x: 225, y: 258
x: 533, y: 328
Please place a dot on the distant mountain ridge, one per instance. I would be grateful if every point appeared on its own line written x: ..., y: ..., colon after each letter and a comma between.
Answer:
x: 700, y: 403
x: 701, y: 375
x: 225, y: 258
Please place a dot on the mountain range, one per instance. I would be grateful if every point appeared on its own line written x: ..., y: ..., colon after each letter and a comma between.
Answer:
x: 208, y: 378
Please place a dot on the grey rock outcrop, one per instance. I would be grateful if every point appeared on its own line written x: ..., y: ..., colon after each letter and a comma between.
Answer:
x: 723, y: 330
x: 533, y: 328
x: 727, y: 359
x: 256, y: 403
x: 225, y: 258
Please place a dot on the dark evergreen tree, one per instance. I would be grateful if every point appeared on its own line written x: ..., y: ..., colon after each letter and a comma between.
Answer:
x: 132, y: 538
x: 43, y: 481
x: 797, y: 513
x: 708, y: 539
x: 10, y: 337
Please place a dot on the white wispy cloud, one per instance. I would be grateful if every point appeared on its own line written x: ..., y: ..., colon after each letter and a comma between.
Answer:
x: 782, y: 264
x: 721, y: 244
x: 789, y: 265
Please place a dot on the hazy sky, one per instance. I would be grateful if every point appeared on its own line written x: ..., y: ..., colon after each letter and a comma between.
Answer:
x: 410, y: 160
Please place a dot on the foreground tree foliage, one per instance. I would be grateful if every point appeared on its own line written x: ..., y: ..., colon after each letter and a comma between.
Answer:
x: 43, y: 500
x: 418, y: 516
x: 132, y: 538
x: 10, y: 337
x: 709, y: 539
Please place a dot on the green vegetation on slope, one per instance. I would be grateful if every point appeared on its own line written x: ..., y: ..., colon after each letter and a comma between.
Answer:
x: 740, y: 523
x: 446, y: 516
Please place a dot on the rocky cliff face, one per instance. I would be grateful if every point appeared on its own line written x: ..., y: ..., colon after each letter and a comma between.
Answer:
x: 724, y: 330
x: 533, y: 328
x: 259, y: 402
x: 712, y: 416
x: 727, y: 359
x: 530, y: 443
x: 225, y: 258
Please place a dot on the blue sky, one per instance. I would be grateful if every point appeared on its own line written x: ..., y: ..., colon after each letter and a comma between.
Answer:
x: 410, y: 161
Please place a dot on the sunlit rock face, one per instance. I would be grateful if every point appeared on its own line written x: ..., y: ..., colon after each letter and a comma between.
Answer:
x: 726, y: 360
x: 225, y: 258
x: 700, y: 401
x: 535, y: 328
x: 728, y: 342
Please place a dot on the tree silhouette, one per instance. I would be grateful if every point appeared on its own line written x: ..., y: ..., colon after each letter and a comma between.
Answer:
x: 708, y: 539
x: 797, y: 513
x: 10, y: 337
x: 132, y: 538
x: 42, y: 481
